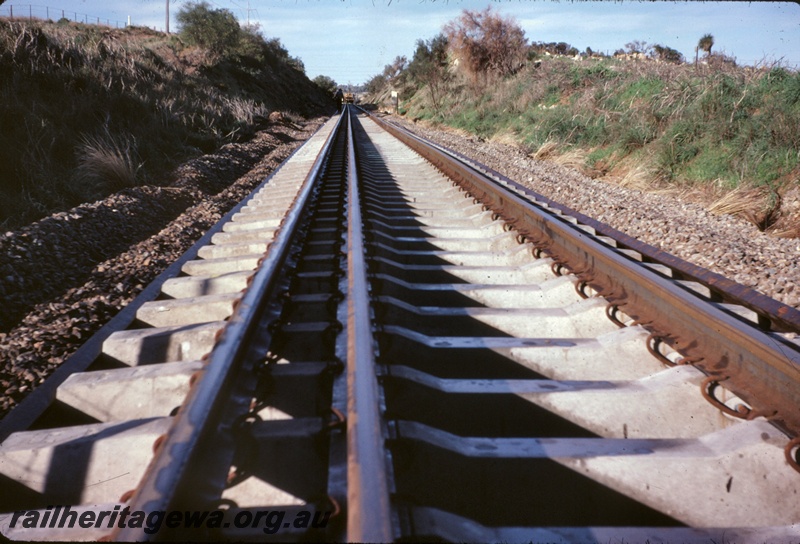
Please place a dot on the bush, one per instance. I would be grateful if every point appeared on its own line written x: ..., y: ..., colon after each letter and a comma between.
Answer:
x: 325, y: 83
x: 376, y: 84
x: 487, y: 43
x: 213, y: 29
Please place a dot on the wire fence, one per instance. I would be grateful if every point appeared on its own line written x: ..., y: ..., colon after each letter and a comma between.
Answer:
x: 31, y: 11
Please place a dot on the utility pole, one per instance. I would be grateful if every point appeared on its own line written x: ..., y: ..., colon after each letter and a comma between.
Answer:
x: 248, y: 13
x: 167, y: 20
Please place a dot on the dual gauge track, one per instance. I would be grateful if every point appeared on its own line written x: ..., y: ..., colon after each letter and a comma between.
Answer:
x: 385, y: 342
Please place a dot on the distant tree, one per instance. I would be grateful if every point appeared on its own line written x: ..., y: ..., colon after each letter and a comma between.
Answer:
x: 393, y: 70
x: 667, y: 54
x: 429, y: 67
x: 298, y: 64
x: 485, y: 43
x: 376, y: 84
x: 326, y: 83
x: 638, y: 47
x: 705, y: 44
x: 215, y: 30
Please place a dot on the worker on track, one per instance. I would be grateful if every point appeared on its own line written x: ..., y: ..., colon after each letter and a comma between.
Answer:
x: 339, y: 97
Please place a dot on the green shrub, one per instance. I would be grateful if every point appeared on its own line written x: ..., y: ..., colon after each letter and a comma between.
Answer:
x: 325, y: 83
x: 216, y: 30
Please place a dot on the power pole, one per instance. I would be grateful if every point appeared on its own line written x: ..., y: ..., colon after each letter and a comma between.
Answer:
x: 167, y: 20
x: 248, y: 13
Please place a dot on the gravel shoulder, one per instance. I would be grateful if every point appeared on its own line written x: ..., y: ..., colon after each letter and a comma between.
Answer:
x: 725, y: 244
x: 65, y: 276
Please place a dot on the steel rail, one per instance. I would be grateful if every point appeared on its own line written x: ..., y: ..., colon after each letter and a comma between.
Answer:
x: 761, y: 368
x: 168, y: 469
x: 43, y: 396
x: 772, y: 314
x: 368, y: 510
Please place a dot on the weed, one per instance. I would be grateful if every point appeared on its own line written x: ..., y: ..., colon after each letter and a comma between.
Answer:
x: 105, y: 165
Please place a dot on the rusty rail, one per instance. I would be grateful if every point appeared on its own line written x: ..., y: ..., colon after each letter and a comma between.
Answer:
x: 169, y: 471
x: 762, y: 368
x: 369, y: 517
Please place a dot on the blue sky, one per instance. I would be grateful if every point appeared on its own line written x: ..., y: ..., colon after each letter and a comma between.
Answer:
x: 352, y: 40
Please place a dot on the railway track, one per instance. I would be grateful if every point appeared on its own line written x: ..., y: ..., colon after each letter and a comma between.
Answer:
x: 374, y: 348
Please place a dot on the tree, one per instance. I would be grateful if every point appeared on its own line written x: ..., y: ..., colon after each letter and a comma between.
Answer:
x: 429, y: 67
x: 326, y: 83
x: 215, y: 30
x: 376, y: 84
x: 393, y: 70
x: 705, y: 44
x: 486, y: 43
x: 638, y: 47
x: 667, y: 54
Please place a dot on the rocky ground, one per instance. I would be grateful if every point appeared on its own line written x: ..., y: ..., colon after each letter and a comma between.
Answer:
x: 65, y: 276
x: 728, y: 245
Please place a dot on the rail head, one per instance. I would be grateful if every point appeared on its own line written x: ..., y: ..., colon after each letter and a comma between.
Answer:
x: 368, y: 509
x: 168, y: 470
x: 762, y: 368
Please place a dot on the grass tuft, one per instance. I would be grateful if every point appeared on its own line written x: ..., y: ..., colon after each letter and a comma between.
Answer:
x: 105, y: 165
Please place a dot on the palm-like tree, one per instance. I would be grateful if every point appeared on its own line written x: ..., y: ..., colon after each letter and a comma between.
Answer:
x: 706, y: 43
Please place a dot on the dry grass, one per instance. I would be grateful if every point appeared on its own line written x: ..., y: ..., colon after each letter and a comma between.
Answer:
x: 506, y: 137
x: 786, y: 231
x: 106, y: 164
x: 760, y: 205
x: 574, y: 158
x: 740, y: 200
x: 86, y: 109
x: 640, y: 177
x: 545, y: 151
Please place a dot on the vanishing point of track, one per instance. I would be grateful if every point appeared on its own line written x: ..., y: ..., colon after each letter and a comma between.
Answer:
x: 387, y: 341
